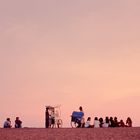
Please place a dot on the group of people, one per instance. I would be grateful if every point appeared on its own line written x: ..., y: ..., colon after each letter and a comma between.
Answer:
x: 8, y: 124
x: 80, y: 121
x: 52, y: 118
x: 100, y: 122
x: 107, y: 122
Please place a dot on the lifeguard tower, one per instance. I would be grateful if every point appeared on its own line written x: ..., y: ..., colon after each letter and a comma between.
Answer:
x: 54, y: 117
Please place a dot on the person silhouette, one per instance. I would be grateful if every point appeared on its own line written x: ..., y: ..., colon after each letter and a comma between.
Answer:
x: 18, y: 123
x: 7, y: 123
x: 81, y: 121
x: 129, y: 122
x: 47, y: 118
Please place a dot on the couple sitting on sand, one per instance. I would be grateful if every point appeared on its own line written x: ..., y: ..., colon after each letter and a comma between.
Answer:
x: 7, y: 123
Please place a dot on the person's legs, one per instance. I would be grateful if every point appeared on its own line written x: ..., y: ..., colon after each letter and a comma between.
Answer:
x: 79, y: 123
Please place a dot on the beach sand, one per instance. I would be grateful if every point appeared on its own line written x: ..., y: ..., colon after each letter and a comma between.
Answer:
x: 70, y: 134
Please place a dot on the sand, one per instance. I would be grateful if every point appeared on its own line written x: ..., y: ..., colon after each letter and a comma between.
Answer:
x: 70, y: 134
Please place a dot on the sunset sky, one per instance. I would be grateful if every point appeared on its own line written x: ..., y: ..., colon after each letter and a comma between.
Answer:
x: 69, y: 52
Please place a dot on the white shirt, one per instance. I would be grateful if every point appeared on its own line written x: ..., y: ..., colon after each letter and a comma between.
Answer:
x: 96, y: 123
x: 87, y: 124
x: 7, y: 124
x: 105, y: 124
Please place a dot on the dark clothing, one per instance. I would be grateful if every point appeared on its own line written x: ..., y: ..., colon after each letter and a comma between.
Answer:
x: 112, y: 123
x: 116, y: 124
x: 47, y: 119
x: 52, y: 120
x: 18, y: 123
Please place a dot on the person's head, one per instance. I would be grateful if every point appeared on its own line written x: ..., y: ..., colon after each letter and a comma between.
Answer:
x: 121, y: 121
x: 107, y: 120
x: 111, y: 118
x: 96, y: 118
x: 115, y: 118
x: 129, y: 120
x: 17, y: 118
x: 8, y: 119
x: 101, y: 120
x: 80, y: 108
x: 89, y: 119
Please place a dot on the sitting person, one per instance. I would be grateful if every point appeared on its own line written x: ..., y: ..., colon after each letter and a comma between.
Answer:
x: 96, y: 123
x: 18, y: 123
x: 121, y: 123
x: 106, y: 122
x: 88, y: 123
x: 129, y: 122
x: 101, y: 122
x: 111, y: 122
x: 7, y: 123
x: 116, y: 123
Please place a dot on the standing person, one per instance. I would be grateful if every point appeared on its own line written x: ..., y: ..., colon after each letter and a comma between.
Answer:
x: 18, y: 123
x: 47, y: 118
x: 81, y: 121
x: 7, y: 123
x: 52, y: 117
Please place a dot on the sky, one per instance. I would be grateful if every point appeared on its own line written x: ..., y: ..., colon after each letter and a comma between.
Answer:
x: 70, y: 53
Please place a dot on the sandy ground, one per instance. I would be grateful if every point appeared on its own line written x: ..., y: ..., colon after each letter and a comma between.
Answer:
x: 70, y: 134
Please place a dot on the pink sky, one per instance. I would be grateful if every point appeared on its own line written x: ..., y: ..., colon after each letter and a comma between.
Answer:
x: 69, y: 52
